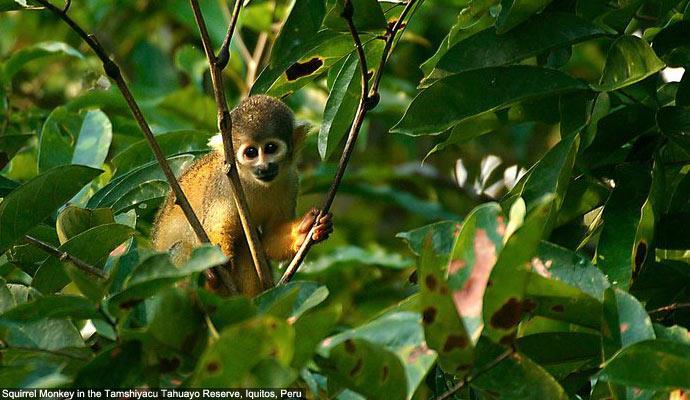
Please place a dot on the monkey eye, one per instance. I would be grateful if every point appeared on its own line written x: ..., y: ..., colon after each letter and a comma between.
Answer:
x: 251, y: 152
x: 270, y: 148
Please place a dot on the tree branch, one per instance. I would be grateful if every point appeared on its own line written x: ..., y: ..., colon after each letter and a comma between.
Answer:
x: 491, y: 365
x: 64, y: 256
x: 671, y: 307
x: 113, y: 71
x: 369, y: 99
x: 224, y: 52
x: 225, y: 127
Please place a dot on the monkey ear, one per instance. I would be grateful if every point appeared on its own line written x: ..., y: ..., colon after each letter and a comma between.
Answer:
x: 300, y: 131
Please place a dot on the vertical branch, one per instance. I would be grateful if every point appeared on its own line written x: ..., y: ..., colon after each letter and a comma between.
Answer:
x: 368, y: 100
x: 216, y: 65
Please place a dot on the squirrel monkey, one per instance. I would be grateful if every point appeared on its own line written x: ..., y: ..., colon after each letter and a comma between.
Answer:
x: 266, y: 140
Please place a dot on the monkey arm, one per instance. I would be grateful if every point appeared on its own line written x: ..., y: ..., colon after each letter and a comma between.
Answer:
x: 283, y: 239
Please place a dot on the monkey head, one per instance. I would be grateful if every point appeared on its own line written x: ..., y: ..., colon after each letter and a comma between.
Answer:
x: 265, y: 138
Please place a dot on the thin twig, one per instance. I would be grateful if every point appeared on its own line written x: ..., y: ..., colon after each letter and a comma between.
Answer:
x: 479, y: 373
x: 255, y: 61
x: 64, y: 256
x: 225, y: 127
x: 671, y: 307
x: 368, y: 100
x: 224, y: 52
x: 113, y: 71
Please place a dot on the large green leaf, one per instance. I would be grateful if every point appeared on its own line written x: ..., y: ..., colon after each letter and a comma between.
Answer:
x: 300, y: 26
x: 516, y: 377
x: 35, y: 200
x: 175, y: 307
x: 651, y: 364
x: 442, y: 237
x: 629, y: 60
x: 514, y: 12
x: 157, y: 272
x: 172, y: 143
x: 340, y: 107
x: 74, y: 220
x: 398, y: 332
x: 625, y: 322
x: 22, y: 57
x: 368, y: 369
x: 53, y: 306
x: 242, y: 354
x: 278, y: 301
x: 622, y: 248
x: 138, y: 185
x: 489, y: 49
x: 672, y: 44
x: 504, y: 298
x: 458, y: 97
x: 561, y: 353
x: 71, y: 138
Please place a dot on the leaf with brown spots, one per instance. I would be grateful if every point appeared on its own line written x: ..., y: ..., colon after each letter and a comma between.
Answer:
x: 231, y: 359
x: 503, y: 300
x: 367, y: 368
x: 474, y: 254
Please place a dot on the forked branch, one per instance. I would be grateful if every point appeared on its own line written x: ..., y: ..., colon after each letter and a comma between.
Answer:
x: 368, y: 100
x: 113, y: 71
x: 225, y: 127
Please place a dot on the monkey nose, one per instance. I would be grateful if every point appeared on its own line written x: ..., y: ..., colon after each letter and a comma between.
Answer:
x: 266, y: 172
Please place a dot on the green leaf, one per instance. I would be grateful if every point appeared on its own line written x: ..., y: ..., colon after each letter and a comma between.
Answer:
x: 307, y: 295
x: 172, y: 144
x: 471, y: 93
x: 40, y: 197
x: 356, y: 255
x: 452, y: 287
x: 561, y: 353
x: 442, y: 237
x: 310, y: 330
x: 7, y: 186
x: 74, y: 220
x: 53, y: 306
x: 504, y: 303
x: 157, y: 272
x: 487, y: 48
x: 625, y: 322
x: 12, y: 5
x: 175, y: 307
x: 672, y: 44
x: 93, y: 143
x: 621, y: 248
x: 514, y: 12
x: 651, y: 364
x: 399, y: 333
x: 340, y: 107
x: 116, y: 366
x: 91, y: 246
x: 40, y: 50
x: 10, y: 145
x: 46, y: 334
x: 293, y: 70
x: 367, y: 369
x: 367, y: 16
x: 629, y: 60
x: 136, y: 185
x: 550, y: 175
x: 517, y: 377
x: 237, y: 357
x: 300, y: 26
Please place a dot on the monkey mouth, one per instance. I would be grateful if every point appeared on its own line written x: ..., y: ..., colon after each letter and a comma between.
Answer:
x: 266, y: 176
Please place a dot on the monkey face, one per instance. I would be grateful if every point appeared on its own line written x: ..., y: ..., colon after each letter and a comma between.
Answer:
x: 263, y: 159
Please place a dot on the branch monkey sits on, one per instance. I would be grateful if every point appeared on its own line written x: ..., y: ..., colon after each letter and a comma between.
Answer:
x: 266, y: 141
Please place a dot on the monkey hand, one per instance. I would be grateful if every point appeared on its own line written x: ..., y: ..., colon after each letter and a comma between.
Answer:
x: 323, y: 227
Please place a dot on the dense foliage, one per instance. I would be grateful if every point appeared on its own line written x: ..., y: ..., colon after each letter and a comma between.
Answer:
x: 539, y: 250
